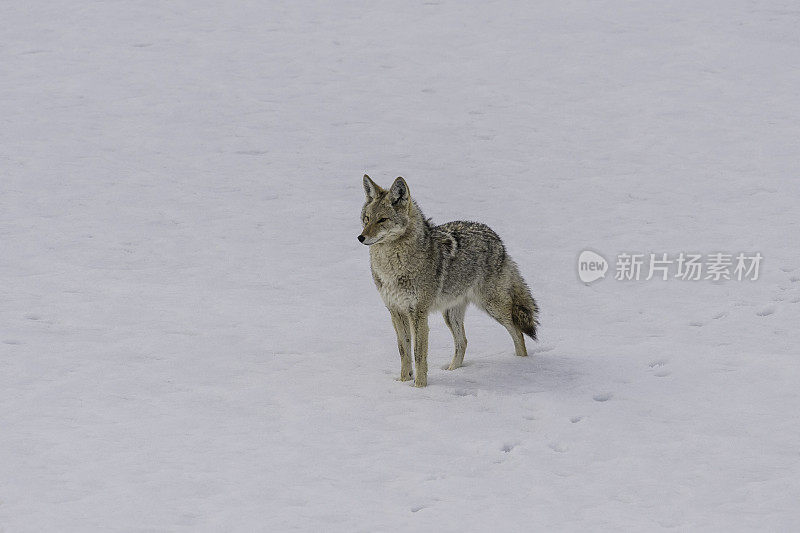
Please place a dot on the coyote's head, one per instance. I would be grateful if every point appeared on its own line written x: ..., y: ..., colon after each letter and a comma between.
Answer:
x: 385, y: 214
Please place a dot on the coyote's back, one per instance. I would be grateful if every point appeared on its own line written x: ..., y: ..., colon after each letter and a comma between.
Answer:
x: 419, y: 268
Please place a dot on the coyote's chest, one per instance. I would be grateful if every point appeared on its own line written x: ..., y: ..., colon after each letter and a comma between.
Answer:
x: 399, y: 281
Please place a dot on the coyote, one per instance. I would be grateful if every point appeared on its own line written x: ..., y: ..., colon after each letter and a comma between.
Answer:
x: 420, y: 268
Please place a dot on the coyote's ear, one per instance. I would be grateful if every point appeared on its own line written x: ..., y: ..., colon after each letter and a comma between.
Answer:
x: 399, y: 192
x: 371, y: 188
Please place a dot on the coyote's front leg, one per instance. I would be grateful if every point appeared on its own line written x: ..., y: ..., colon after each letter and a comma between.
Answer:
x: 403, y: 330
x: 419, y: 323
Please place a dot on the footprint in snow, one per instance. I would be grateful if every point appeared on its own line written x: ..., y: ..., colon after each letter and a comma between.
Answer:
x: 660, y: 368
x: 557, y: 447
x: 602, y: 397
x: 541, y: 349
x: 769, y: 310
x: 576, y: 419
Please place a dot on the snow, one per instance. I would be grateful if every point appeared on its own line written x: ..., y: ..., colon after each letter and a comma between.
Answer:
x: 190, y: 339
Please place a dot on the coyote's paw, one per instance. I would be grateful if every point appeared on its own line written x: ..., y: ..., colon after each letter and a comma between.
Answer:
x: 421, y: 381
x: 405, y: 377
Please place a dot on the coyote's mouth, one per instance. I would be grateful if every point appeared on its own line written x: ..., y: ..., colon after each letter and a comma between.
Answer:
x: 365, y: 242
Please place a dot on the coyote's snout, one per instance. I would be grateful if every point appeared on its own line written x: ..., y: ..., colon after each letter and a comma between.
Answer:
x: 420, y: 268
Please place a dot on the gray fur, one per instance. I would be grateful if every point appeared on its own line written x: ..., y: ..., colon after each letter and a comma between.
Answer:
x: 420, y: 268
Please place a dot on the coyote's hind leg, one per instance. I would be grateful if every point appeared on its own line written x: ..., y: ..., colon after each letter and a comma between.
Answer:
x: 454, y: 318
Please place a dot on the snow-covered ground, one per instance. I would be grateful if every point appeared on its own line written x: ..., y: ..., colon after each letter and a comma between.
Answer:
x: 190, y: 339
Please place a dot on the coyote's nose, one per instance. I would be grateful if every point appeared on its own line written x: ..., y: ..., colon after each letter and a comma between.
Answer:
x: 360, y: 238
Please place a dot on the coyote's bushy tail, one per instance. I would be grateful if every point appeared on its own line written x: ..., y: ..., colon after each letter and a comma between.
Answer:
x: 524, y: 311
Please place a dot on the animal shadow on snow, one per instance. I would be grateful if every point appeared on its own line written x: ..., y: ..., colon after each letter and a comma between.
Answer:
x: 506, y: 373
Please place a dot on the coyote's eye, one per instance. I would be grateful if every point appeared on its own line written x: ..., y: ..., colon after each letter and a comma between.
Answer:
x: 382, y: 220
